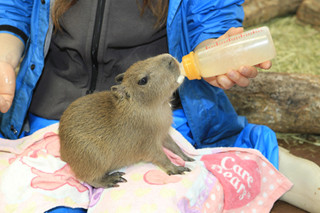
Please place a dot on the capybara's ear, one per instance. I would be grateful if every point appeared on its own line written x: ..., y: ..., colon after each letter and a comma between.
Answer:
x: 119, y: 78
x: 120, y: 91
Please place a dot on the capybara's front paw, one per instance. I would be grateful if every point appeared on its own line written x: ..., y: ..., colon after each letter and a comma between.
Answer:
x: 112, y: 180
x: 109, y: 180
x: 187, y: 158
x: 178, y: 170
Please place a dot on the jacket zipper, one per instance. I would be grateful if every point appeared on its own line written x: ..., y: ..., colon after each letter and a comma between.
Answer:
x: 95, y: 45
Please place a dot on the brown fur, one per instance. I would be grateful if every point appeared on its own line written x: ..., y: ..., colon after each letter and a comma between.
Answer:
x: 159, y: 8
x: 109, y: 130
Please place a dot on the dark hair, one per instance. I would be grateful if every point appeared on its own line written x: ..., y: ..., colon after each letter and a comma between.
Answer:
x: 159, y: 8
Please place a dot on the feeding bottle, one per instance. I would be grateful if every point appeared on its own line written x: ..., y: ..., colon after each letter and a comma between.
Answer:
x: 248, y: 48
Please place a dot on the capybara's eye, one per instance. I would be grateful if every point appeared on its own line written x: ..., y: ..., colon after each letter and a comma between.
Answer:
x: 143, y: 81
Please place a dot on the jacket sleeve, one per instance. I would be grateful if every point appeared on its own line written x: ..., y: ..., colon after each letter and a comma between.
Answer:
x: 201, y: 20
x: 212, y: 18
x: 15, y: 17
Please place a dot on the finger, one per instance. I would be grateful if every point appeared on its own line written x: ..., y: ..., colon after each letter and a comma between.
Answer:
x: 7, y: 86
x: 212, y: 81
x: 238, y: 79
x: 265, y: 65
x: 225, y: 82
x: 4, y: 105
x: 248, y: 71
x: 232, y: 31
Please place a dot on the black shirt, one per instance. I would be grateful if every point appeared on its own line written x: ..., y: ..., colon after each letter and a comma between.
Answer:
x: 82, y: 46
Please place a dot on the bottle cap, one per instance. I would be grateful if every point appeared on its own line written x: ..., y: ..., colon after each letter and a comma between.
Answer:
x: 192, y: 72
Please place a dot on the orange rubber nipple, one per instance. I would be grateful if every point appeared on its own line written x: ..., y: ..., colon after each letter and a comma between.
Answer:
x: 192, y: 72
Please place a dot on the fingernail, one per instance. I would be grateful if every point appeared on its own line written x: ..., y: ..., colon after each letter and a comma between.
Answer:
x: 244, y: 71
x: 224, y: 82
x: 232, y: 74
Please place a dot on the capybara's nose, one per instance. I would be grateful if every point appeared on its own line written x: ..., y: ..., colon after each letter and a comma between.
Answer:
x: 171, y: 61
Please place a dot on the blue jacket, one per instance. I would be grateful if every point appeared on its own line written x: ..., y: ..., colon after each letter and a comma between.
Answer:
x: 189, y: 22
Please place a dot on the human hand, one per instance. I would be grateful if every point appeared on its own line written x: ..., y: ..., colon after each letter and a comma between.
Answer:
x: 240, y: 77
x: 7, y: 86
